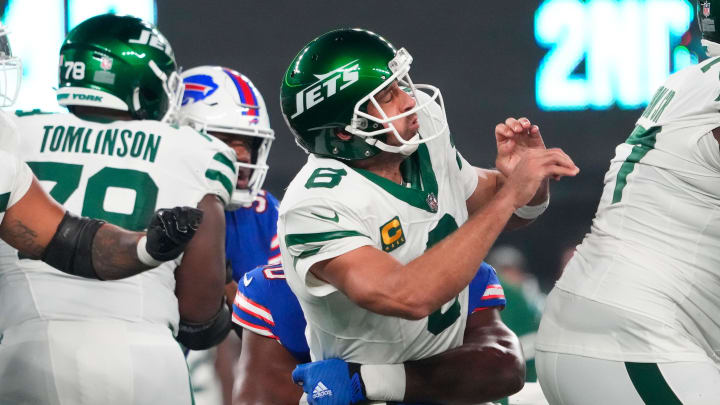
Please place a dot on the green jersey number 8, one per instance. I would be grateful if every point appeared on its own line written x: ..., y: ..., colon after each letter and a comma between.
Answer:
x: 67, y: 179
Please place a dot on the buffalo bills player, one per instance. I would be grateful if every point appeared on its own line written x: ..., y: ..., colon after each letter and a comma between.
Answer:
x: 265, y: 311
x: 225, y: 104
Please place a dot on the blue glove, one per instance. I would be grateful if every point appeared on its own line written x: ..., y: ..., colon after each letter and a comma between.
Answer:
x: 330, y: 382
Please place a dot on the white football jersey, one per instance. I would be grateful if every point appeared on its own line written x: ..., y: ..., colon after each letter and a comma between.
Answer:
x: 652, y: 252
x: 120, y: 172
x: 330, y: 209
x: 15, y: 180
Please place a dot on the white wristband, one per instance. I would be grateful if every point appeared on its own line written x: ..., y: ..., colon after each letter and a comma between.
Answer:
x: 143, y: 254
x: 532, y: 211
x: 384, y: 382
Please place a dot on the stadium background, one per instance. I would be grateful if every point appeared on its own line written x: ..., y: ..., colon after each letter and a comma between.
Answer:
x: 490, y: 59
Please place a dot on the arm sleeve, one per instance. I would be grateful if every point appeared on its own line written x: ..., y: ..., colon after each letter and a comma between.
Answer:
x: 485, y: 290
x: 314, y: 232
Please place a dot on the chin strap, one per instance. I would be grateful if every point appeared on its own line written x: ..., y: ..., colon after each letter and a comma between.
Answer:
x: 405, y: 149
x: 711, y: 48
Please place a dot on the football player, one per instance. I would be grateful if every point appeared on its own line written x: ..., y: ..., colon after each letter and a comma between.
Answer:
x: 35, y: 224
x: 224, y: 103
x: 385, y: 226
x: 634, y: 317
x: 116, y: 157
x: 265, y: 311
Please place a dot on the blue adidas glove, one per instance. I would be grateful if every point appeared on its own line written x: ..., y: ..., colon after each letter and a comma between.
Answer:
x: 330, y: 382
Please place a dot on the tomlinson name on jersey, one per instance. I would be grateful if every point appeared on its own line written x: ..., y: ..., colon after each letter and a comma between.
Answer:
x: 61, y: 138
x: 326, y: 87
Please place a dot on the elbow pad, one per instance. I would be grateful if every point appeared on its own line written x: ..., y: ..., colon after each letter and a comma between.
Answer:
x: 201, y: 336
x: 70, y: 249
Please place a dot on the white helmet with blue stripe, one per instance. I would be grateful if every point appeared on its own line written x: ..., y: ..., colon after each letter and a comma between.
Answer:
x: 219, y: 100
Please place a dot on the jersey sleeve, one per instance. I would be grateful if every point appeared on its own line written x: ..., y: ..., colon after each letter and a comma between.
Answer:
x: 468, y: 175
x: 274, y: 257
x: 708, y: 151
x: 250, y: 307
x: 16, y: 180
x: 316, y: 230
x: 265, y: 305
x: 485, y: 290
x: 221, y: 171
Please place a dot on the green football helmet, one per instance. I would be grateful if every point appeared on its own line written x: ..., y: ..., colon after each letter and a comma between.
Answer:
x: 120, y: 63
x: 327, y: 88
x: 708, y: 18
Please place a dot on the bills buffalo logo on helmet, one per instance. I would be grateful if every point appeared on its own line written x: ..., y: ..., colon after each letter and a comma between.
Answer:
x: 197, y: 88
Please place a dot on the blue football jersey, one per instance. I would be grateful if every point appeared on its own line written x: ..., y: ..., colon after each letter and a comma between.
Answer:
x: 251, y: 235
x: 265, y: 305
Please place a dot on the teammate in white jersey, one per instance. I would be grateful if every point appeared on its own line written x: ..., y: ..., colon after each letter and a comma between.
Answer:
x: 635, y: 318
x: 370, y: 228
x: 115, y: 158
x: 36, y: 225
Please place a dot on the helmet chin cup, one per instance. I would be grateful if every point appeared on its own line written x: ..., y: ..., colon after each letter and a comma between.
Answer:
x: 400, y: 66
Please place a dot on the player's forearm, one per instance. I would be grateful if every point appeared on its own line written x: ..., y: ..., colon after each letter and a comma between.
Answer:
x: 114, y: 253
x: 200, y: 279
x: 487, y: 367
x: 439, y: 275
x: 542, y: 194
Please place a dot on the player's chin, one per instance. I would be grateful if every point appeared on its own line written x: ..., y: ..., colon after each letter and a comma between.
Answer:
x: 242, y: 184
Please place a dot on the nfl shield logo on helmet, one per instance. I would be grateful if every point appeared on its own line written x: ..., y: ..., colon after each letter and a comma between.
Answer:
x: 198, y: 87
x: 706, y: 9
x: 106, y: 62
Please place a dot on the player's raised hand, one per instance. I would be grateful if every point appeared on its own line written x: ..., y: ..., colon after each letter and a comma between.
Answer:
x: 514, y: 137
x: 533, y: 167
x: 170, y: 230
x: 330, y: 382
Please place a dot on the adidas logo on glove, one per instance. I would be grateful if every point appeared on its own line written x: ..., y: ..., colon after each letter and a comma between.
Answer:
x: 321, y: 390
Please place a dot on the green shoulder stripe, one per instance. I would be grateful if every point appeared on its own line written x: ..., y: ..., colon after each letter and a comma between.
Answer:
x: 223, y: 179
x: 4, y: 199
x: 303, y: 238
x: 224, y: 160
x: 25, y: 113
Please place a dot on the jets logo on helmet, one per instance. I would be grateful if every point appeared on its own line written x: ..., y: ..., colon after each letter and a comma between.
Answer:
x: 198, y: 87
x: 221, y: 100
x: 326, y: 87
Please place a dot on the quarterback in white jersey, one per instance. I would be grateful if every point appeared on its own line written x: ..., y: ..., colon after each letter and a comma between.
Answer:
x: 649, y: 271
x: 114, y: 342
x: 384, y: 184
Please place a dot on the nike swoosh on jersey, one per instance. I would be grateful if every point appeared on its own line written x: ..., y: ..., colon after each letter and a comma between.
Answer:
x: 336, y: 218
x: 247, y: 280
